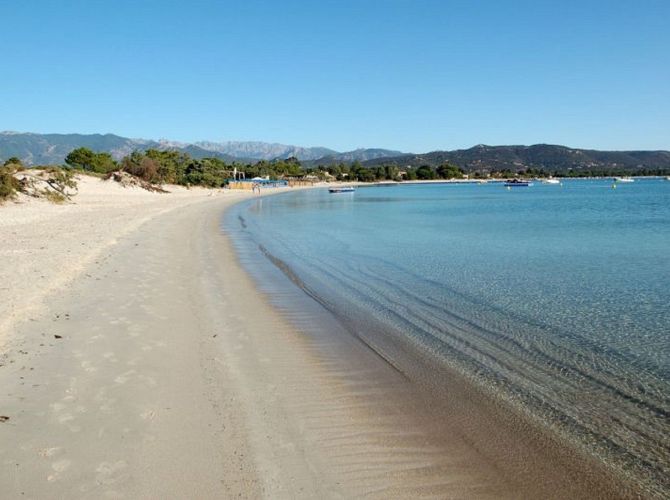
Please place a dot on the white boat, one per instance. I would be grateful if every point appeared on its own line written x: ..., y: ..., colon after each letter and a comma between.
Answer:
x: 550, y: 180
x: 342, y: 189
x: 667, y: 178
x: 624, y: 179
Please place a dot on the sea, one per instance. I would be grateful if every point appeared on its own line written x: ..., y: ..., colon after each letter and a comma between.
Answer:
x: 553, y: 299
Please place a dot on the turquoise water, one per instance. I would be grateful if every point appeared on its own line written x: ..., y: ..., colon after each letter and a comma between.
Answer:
x: 552, y: 298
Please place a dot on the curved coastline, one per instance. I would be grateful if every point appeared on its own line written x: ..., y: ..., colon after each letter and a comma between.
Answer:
x: 529, y: 449
x: 192, y: 377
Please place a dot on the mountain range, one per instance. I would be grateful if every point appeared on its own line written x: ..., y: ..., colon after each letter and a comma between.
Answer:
x: 46, y: 149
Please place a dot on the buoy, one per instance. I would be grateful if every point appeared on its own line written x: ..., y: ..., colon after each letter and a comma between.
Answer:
x: 614, y: 186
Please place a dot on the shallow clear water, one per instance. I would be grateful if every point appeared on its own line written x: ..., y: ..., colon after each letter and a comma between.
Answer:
x: 553, y: 298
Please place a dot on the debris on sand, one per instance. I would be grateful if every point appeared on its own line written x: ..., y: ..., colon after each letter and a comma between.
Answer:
x: 128, y: 180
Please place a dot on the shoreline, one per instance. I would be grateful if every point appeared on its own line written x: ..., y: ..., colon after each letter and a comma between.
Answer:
x: 489, y: 180
x: 542, y: 462
x: 190, y: 381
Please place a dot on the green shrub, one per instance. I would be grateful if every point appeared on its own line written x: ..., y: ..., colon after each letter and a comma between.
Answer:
x: 9, y: 184
x: 13, y: 161
x: 90, y: 161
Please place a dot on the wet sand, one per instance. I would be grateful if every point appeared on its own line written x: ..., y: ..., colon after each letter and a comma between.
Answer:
x: 160, y: 371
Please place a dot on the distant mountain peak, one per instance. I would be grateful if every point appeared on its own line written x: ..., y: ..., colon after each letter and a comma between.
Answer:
x: 45, y: 149
x: 167, y: 143
x: 259, y: 150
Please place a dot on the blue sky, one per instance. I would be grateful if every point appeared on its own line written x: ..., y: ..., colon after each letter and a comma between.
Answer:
x: 414, y: 75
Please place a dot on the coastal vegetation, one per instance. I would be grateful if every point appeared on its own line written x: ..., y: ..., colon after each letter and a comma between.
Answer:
x: 9, y: 184
x: 155, y: 167
x: 53, y: 183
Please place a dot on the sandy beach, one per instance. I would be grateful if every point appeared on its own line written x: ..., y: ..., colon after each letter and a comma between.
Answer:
x: 139, y: 360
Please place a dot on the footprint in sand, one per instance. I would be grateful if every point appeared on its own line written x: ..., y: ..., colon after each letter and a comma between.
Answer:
x: 59, y: 467
x: 149, y: 381
x: 56, y: 407
x: 65, y: 418
x: 106, y: 403
x: 48, y: 452
x: 71, y: 391
x: 109, y: 473
x: 109, y: 356
x: 113, y: 494
x: 148, y: 415
x: 134, y: 361
x: 88, y: 366
x: 124, y: 377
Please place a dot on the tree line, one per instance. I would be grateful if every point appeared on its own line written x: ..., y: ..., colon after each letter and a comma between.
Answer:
x: 175, y: 167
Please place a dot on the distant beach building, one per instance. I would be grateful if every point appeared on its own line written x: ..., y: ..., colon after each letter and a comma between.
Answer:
x: 305, y: 180
x: 250, y: 184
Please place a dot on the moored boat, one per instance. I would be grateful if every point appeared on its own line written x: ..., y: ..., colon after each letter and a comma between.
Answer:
x: 550, y: 180
x: 624, y: 179
x: 518, y: 183
x: 342, y: 189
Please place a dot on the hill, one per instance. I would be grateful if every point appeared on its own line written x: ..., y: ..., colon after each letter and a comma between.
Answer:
x: 547, y: 157
x: 44, y: 149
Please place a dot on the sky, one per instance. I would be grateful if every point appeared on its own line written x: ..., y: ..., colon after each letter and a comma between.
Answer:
x: 411, y: 75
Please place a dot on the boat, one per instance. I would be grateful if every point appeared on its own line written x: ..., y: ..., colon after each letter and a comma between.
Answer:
x: 518, y: 183
x: 624, y: 179
x: 667, y: 178
x: 550, y: 180
x: 342, y: 189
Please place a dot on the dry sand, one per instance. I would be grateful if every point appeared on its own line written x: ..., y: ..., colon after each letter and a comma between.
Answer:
x: 141, y: 362
x: 44, y: 246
